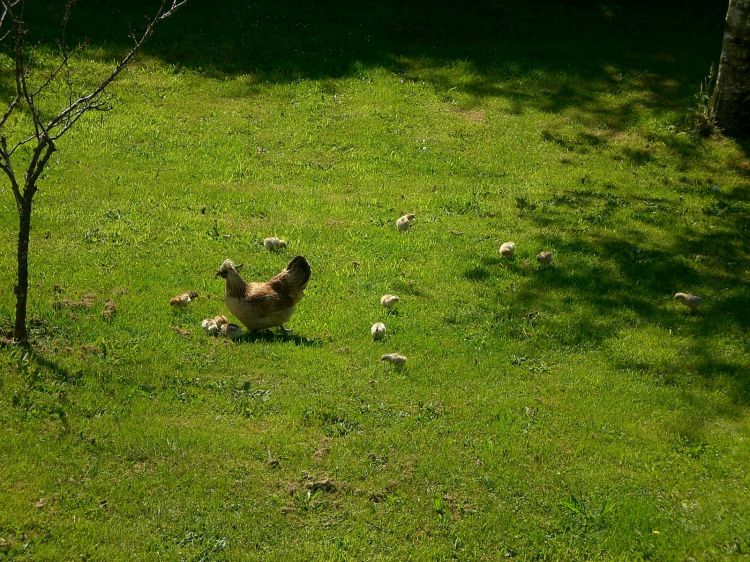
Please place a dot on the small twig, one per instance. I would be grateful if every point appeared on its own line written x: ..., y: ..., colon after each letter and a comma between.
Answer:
x: 52, y: 75
x: 89, y: 101
x: 6, y: 5
x: 22, y: 142
x: 101, y: 106
x: 64, y: 52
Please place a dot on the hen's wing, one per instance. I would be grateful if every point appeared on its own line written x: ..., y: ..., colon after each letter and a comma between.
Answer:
x: 292, y: 281
x: 264, y: 299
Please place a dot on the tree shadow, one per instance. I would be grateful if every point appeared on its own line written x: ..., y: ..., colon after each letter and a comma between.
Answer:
x: 60, y: 373
x: 551, y: 56
x: 607, y: 279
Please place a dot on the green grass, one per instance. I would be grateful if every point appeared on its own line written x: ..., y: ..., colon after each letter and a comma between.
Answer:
x: 564, y: 413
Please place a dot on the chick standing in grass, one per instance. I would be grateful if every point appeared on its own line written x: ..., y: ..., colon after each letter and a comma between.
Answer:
x: 389, y: 301
x: 378, y: 331
x: 544, y: 258
x: 209, y: 324
x: 508, y: 249
x: 689, y: 300
x: 181, y: 301
x: 272, y: 243
x: 394, y: 358
x: 404, y: 223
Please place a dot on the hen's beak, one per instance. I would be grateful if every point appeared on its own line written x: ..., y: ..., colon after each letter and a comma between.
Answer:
x: 239, y: 266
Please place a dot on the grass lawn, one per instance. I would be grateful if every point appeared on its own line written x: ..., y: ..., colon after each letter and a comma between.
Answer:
x: 570, y: 412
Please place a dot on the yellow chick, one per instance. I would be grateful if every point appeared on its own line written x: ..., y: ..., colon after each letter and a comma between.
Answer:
x: 389, y: 301
x: 220, y: 320
x: 378, y: 331
x: 508, y: 249
x: 544, y: 258
x: 404, y: 223
x: 394, y: 358
x: 689, y: 300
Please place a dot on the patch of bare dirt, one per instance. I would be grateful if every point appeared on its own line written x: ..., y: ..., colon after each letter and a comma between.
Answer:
x: 110, y: 308
x: 85, y: 303
x: 475, y: 115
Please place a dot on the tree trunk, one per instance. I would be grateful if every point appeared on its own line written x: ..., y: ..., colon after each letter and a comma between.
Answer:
x: 20, y: 333
x: 731, y: 99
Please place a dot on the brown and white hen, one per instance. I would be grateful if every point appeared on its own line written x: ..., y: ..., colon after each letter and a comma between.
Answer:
x: 265, y: 305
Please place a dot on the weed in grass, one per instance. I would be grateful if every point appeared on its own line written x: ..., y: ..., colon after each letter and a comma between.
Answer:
x: 700, y: 119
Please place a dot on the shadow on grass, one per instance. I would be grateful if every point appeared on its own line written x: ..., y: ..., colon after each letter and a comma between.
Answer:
x: 610, y: 276
x: 59, y: 372
x: 46, y: 385
x: 269, y: 336
x: 551, y: 56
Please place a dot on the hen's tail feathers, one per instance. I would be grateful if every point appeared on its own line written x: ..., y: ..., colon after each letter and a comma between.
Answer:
x: 298, y: 272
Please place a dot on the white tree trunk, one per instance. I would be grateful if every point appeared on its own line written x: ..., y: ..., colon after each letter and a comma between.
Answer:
x: 731, y: 101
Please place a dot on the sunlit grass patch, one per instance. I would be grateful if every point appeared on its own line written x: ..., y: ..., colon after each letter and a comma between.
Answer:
x: 567, y: 411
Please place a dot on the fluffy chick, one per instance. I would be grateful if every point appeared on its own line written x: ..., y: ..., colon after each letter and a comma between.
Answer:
x: 273, y: 243
x: 232, y: 331
x: 210, y: 326
x: 389, y: 301
x: 378, y: 331
x: 689, y: 300
x: 404, y: 223
x: 508, y: 249
x: 544, y: 258
x: 271, y: 303
x: 181, y: 301
x: 394, y: 358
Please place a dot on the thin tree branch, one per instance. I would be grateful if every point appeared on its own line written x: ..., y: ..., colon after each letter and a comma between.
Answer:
x: 21, y: 71
x: 87, y: 102
x: 37, y: 165
x: 64, y: 47
x: 52, y: 75
x: 22, y: 142
x: 5, y: 5
x: 7, y: 167
x: 32, y: 167
x: 11, y: 106
x: 101, y: 106
x: 64, y: 51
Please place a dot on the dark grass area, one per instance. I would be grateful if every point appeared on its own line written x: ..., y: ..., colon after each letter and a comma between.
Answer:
x: 584, y: 46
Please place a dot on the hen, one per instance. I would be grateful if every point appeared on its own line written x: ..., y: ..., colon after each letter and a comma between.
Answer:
x: 265, y: 305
